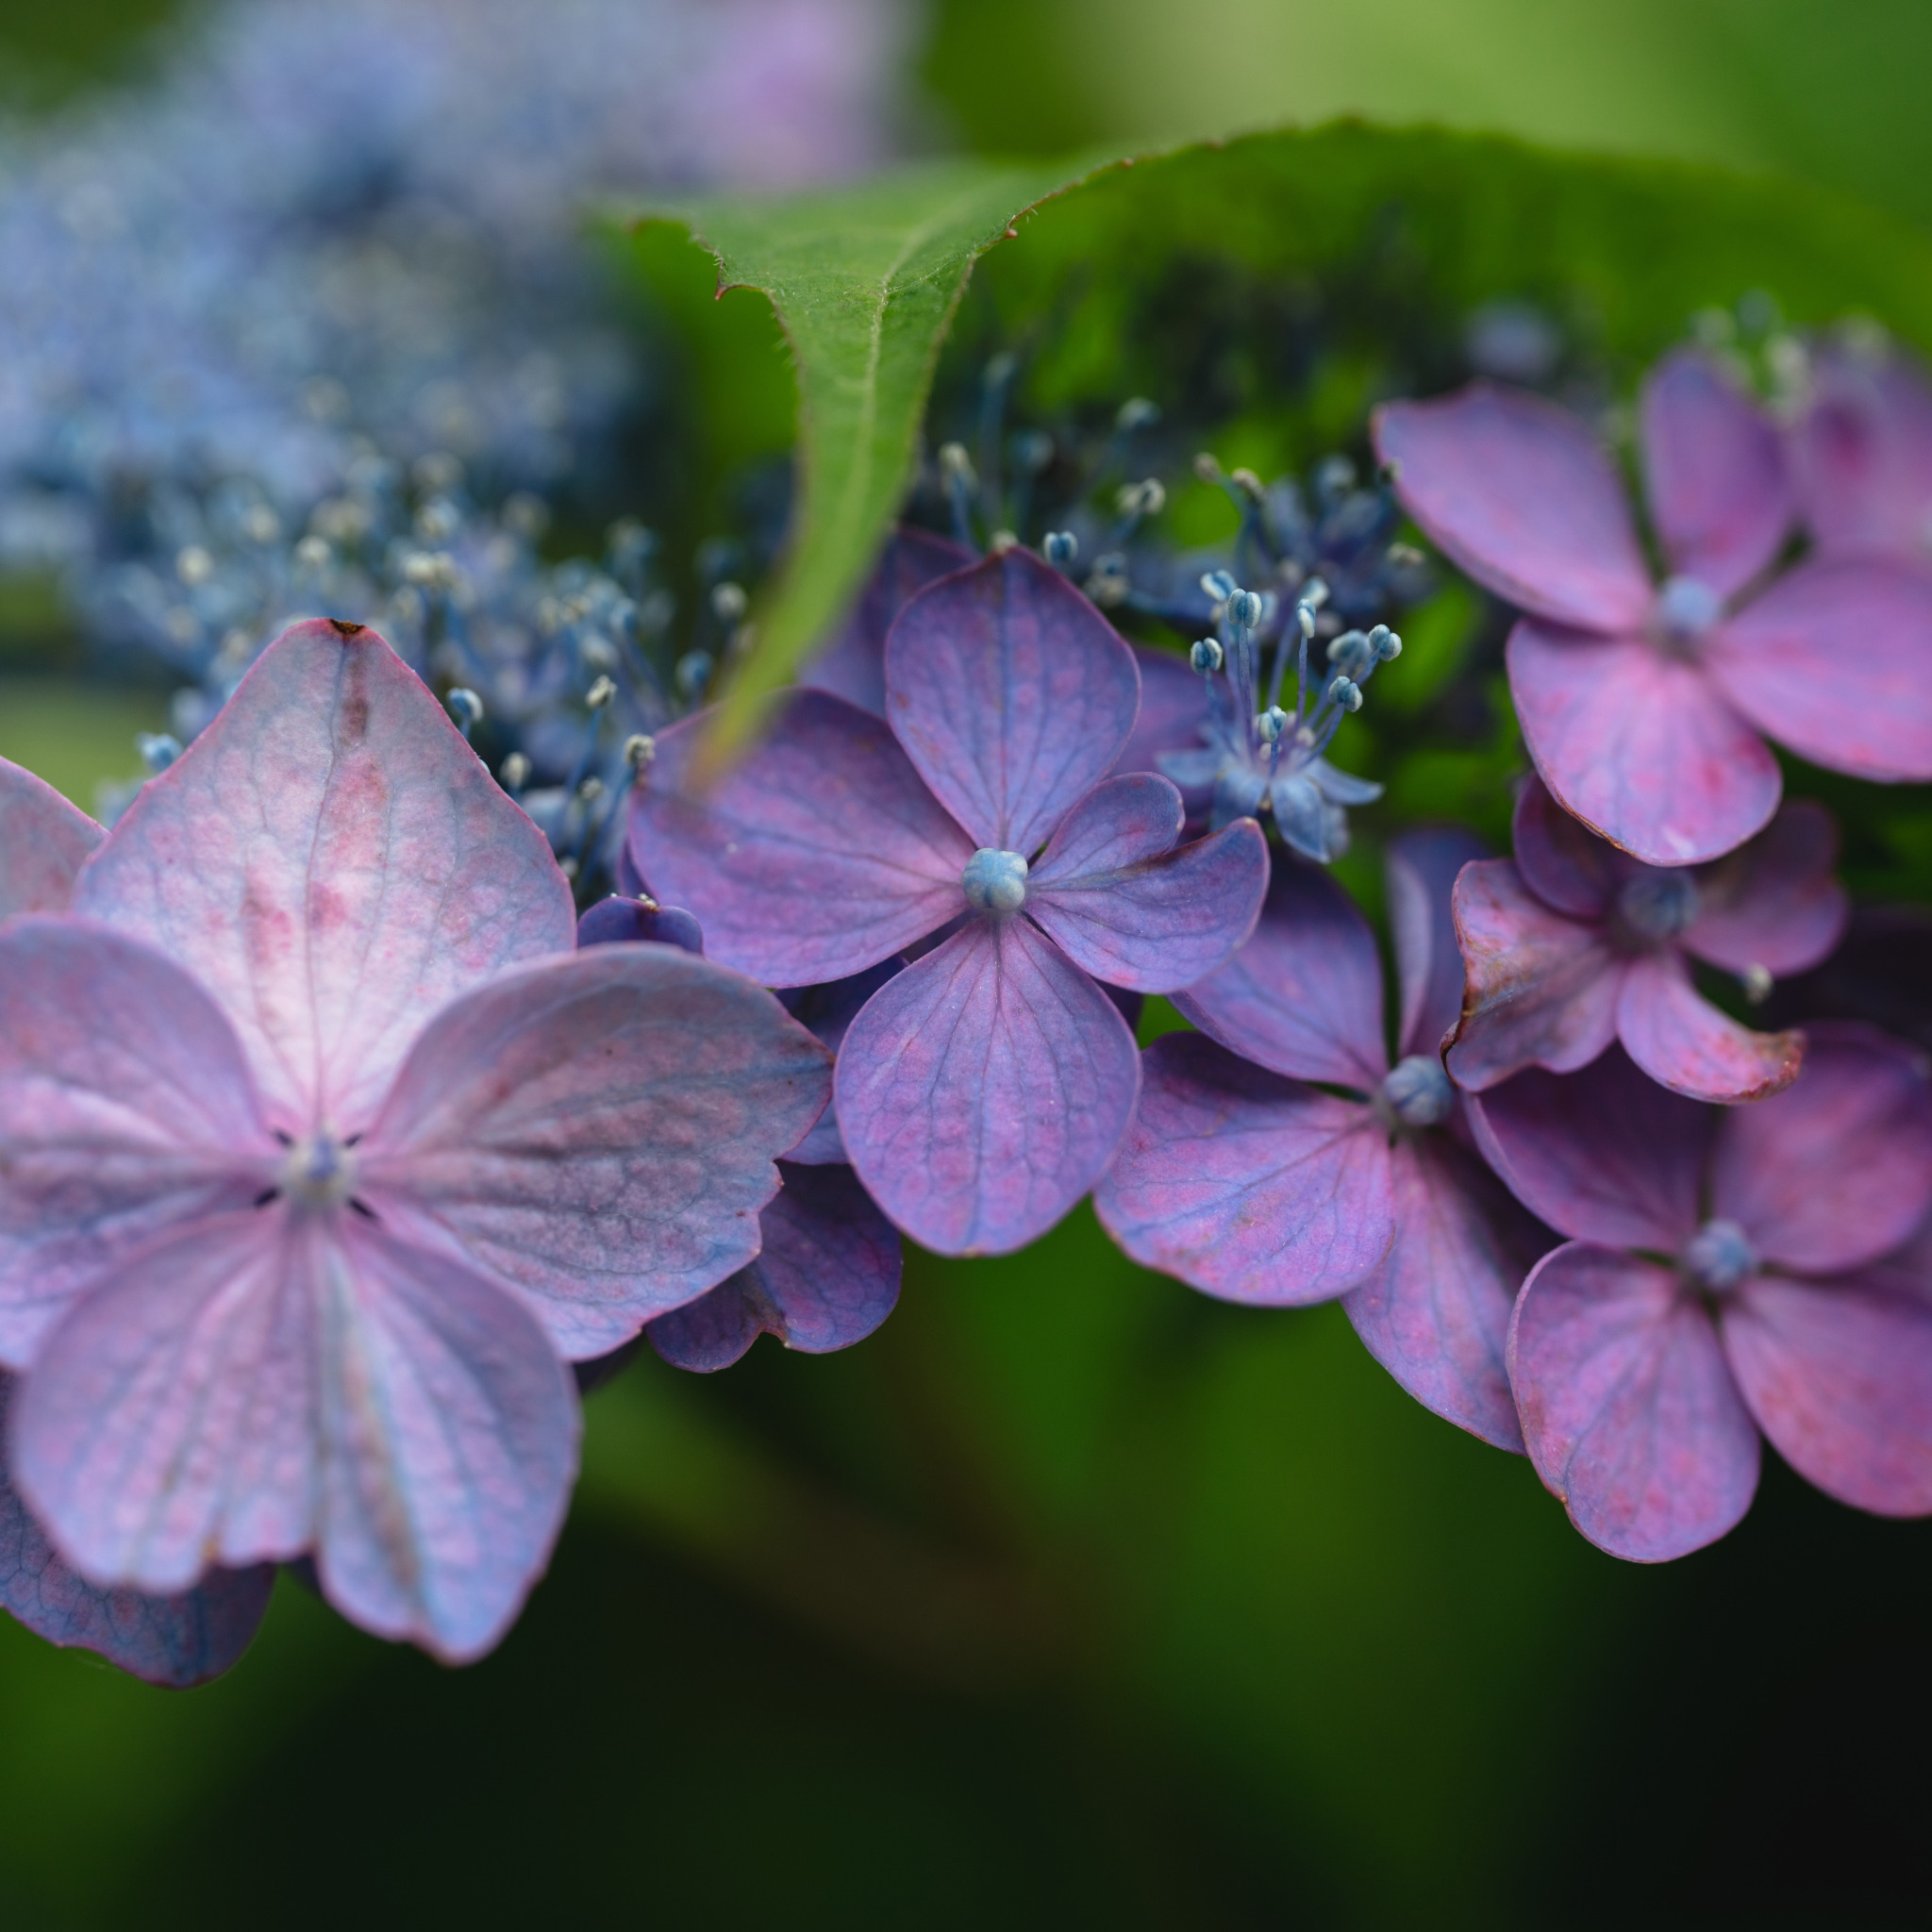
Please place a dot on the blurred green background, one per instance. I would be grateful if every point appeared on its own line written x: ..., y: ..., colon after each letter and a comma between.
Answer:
x: 1072, y: 1598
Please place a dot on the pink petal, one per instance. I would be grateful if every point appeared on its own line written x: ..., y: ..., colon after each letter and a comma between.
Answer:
x: 1715, y: 469
x: 1839, y: 1374
x: 817, y: 856
x: 597, y: 1133
x: 982, y: 1090
x: 333, y: 862
x: 1678, y: 1038
x: 265, y: 1383
x: 1435, y: 1314
x: 852, y: 666
x: 1837, y: 1170
x: 1303, y: 996
x: 1605, y: 1154
x: 1640, y: 746
x: 125, y: 1107
x: 1541, y: 989
x: 1629, y: 1412
x: 1862, y: 452
x: 1245, y: 1185
x: 626, y: 921
x: 176, y: 1640
x: 1173, y: 705
x: 1518, y: 494
x: 1128, y: 906
x: 827, y: 1277
x: 1775, y: 902
x: 1563, y: 862
x: 1421, y: 868
x: 1011, y: 694
x: 44, y: 840
x: 1835, y: 662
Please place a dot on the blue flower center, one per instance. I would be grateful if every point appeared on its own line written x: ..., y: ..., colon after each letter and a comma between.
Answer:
x: 994, y: 881
x: 1686, y: 609
x: 1417, y: 1091
x: 319, y: 1171
x: 1720, y: 1255
x: 1659, y: 903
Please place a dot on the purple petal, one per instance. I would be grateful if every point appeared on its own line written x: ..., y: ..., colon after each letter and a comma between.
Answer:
x: 1642, y: 747
x: 1837, y: 1170
x: 1303, y: 996
x: 982, y: 1091
x: 639, y: 921
x: 266, y: 1383
x: 1679, y: 1039
x: 1541, y: 989
x: 1839, y: 1376
x: 1862, y: 452
x: 1011, y: 694
x: 1605, y: 1154
x: 1563, y: 862
x: 1134, y: 913
x: 1518, y: 494
x: 44, y: 842
x: 817, y: 856
x: 1776, y: 902
x: 1835, y: 661
x: 1421, y: 868
x: 125, y: 1106
x: 1435, y: 1314
x: 1628, y: 1410
x: 1715, y: 469
x: 174, y: 1640
x: 597, y: 1133
x: 853, y: 666
x: 332, y: 863
x: 1174, y: 707
x: 1245, y: 1185
x: 827, y: 1277
x: 827, y: 1012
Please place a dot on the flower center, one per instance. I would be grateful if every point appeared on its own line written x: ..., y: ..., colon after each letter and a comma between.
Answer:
x: 1686, y: 609
x: 318, y: 1172
x: 1720, y: 1255
x: 1658, y: 903
x: 994, y: 881
x: 1417, y: 1091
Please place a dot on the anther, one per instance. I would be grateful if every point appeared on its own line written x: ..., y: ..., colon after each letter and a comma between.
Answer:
x: 1758, y: 983
x: 1244, y: 609
x: 1352, y: 653
x: 957, y: 465
x: 1385, y: 644
x: 1346, y: 692
x: 1061, y: 548
x: 158, y: 749
x: 994, y: 881
x: 1148, y: 498
x: 728, y: 602
x: 514, y: 771
x: 1207, y: 657
x: 194, y: 565
x: 639, y: 748
x: 600, y: 693
x: 1137, y: 412
x: 1219, y: 586
x: 465, y: 707
x: 1270, y: 723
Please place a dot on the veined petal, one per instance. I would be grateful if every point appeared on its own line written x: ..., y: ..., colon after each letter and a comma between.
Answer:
x: 332, y: 863
x: 1774, y: 902
x: 1562, y: 862
x: 982, y: 1090
x: 1678, y: 1038
x: 1605, y: 1154
x: 1541, y: 989
x: 1246, y: 1185
x: 1174, y: 707
x: 818, y: 854
x: 1640, y: 746
x: 1303, y: 996
x: 1518, y: 494
x: 1715, y: 468
x: 827, y: 1012
x: 597, y: 1133
x: 1421, y: 868
x: 1835, y: 661
x: 1011, y: 694
x: 1131, y: 909
x: 1862, y: 452
x: 44, y: 843
x: 1628, y: 1409
x: 852, y: 666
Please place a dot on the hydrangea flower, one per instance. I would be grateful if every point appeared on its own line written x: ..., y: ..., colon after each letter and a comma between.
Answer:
x: 319, y: 1148
x: 1249, y: 1182
x: 1575, y: 944
x: 1728, y: 1272
x: 1861, y: 451
x: 1641, y: 705
x: 981, y: 1091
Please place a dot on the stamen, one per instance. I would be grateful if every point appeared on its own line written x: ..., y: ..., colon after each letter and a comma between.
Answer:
x: 1720, y: 1255
x: 1207, y: 657
x: 994, y: 880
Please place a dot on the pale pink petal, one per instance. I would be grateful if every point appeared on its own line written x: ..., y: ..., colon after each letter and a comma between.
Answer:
x: 1541, y: 989
x: 1421, y: 868
x: 1835, y: 662
x: 1564, y: 863
x: 852, y: 666
x: 333, y: 862
x: 1776, y: 902
x: 1715, y: 470
x: 44, y: 840
x: 1837, y: 1170
x: 1245, y: 1185
x: 1518, y: 494
x: 1862, y: 452
x: 597, y: 1133
x: 1638, y: 745
x: 1678, y: 1038
x: 125, y: 1106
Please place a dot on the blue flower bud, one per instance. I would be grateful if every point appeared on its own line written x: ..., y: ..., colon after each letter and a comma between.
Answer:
x: 994, y: 881
x: 1207, y: 657
x: 1418, y: 1092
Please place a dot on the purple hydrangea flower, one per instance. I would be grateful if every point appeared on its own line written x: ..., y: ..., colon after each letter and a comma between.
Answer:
x: 1641, y: 705
x: 1861, y: 453
x: 980, y: 1091
x: 1729, y: 1271
x: 319, y: 1147
x: 1248, y: 1182
x: 1575, y: 944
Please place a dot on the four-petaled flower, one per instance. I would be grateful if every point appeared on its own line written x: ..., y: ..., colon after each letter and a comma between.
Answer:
x: 1861, y: 454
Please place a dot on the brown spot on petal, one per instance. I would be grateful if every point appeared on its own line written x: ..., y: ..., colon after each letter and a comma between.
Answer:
x: 346, y: 631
